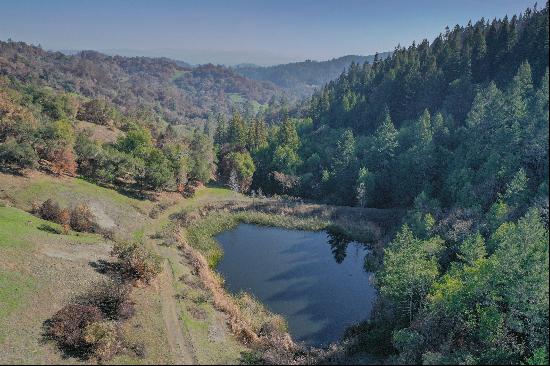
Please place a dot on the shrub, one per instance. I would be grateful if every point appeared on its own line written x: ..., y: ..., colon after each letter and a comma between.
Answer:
x: 49, y: 210
x: 67, y: 327
x: 96, y: 111
x: 262, y: 320
x: 103, y: 339
x: 35, y: 208
x: 82, y: 218
x: 63, y: 161
x: 64, y: 219
x: 137, y: 261
x: 189, y: 190
x: 18, y: 154
x: 112, y: 298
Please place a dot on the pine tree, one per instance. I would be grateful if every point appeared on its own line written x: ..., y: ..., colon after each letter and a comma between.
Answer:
x: 385, y: 139
x: 237, y: 133
x: 220, y: 136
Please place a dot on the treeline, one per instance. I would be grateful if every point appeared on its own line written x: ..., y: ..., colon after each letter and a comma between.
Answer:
x: 441, y: 76
x: 39, y: 127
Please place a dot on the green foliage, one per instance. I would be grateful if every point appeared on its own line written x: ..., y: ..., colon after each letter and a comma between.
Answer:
x: 97, y: 111
x: 158, y: 170
x: 240, y: 164
x: 178, y: 157
x: 540, y: 357
x: 237, y: 133
x: 201, y: 159
x: 410, y: 269
x: 19, y: 154
x: 517, y: 190
x: 385, y: 141
x: 500, y: 302
x: 365, y: 186
x: 472, y: 249
x: 285, y: 160
x: 288, y: 136
x: 137, y: 142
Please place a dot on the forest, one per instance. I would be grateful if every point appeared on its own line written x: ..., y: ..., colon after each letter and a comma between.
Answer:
x: 453, y: 132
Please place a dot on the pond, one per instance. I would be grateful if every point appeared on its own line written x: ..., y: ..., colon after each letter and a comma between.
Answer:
x: 316, y: 280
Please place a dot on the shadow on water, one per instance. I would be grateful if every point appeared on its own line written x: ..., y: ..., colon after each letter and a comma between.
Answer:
x: 315, y: 279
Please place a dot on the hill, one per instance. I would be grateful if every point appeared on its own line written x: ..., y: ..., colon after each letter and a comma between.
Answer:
x: 42, y: 269
x: 302, y: 78
x: 175, y: 92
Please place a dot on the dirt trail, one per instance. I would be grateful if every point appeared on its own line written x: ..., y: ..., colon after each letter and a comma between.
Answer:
x: 180, y: 346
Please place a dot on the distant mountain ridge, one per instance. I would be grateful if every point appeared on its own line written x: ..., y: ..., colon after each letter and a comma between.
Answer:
x: 302, y: 78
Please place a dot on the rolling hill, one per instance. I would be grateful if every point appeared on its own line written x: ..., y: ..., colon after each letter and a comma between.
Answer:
x: 302, y: 78
x: 174, y: 92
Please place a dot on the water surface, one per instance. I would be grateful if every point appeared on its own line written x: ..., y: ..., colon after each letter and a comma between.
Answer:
x: 314, y: 279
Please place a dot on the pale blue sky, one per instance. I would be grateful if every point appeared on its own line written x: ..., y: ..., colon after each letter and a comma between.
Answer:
x: 235, y: 31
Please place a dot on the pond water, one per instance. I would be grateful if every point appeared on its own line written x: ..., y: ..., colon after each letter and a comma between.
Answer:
x: 316, y: 280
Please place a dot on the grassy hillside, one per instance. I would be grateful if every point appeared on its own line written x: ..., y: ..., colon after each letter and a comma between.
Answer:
x: 41, y: 271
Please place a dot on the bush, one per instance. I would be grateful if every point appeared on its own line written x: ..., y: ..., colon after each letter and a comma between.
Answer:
x: 49, y: 210
x: 96, y: 111
x: 21, y: 155
x: 63, y: 161
x: 64, y: 219
x: 82, y: 218
x: 137, y: 261
x: 112, y: 298
x: 67, y: 327
x: 104, y: 339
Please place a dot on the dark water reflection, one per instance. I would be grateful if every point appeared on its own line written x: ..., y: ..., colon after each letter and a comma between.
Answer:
x: 316, y: 280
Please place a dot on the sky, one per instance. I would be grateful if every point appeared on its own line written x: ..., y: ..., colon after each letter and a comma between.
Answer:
x: 240, y: 31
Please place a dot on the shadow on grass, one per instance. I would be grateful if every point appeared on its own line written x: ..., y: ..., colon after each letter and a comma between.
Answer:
x: 110, y: 269
x: 129, y: 190
x: 50, y: 229
x: 13, y: 170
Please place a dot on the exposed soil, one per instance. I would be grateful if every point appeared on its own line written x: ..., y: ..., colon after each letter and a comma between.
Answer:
x: 180, y: 346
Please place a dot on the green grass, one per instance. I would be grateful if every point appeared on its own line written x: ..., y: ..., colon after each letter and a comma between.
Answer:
x: 130, y: 214
x: 177, y: 75
x: 21, y: 236
x: 41, y: 187
x: 18, y: 227
x: 14, y: 287
x: 26, y: 239
x: 15, y: 226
